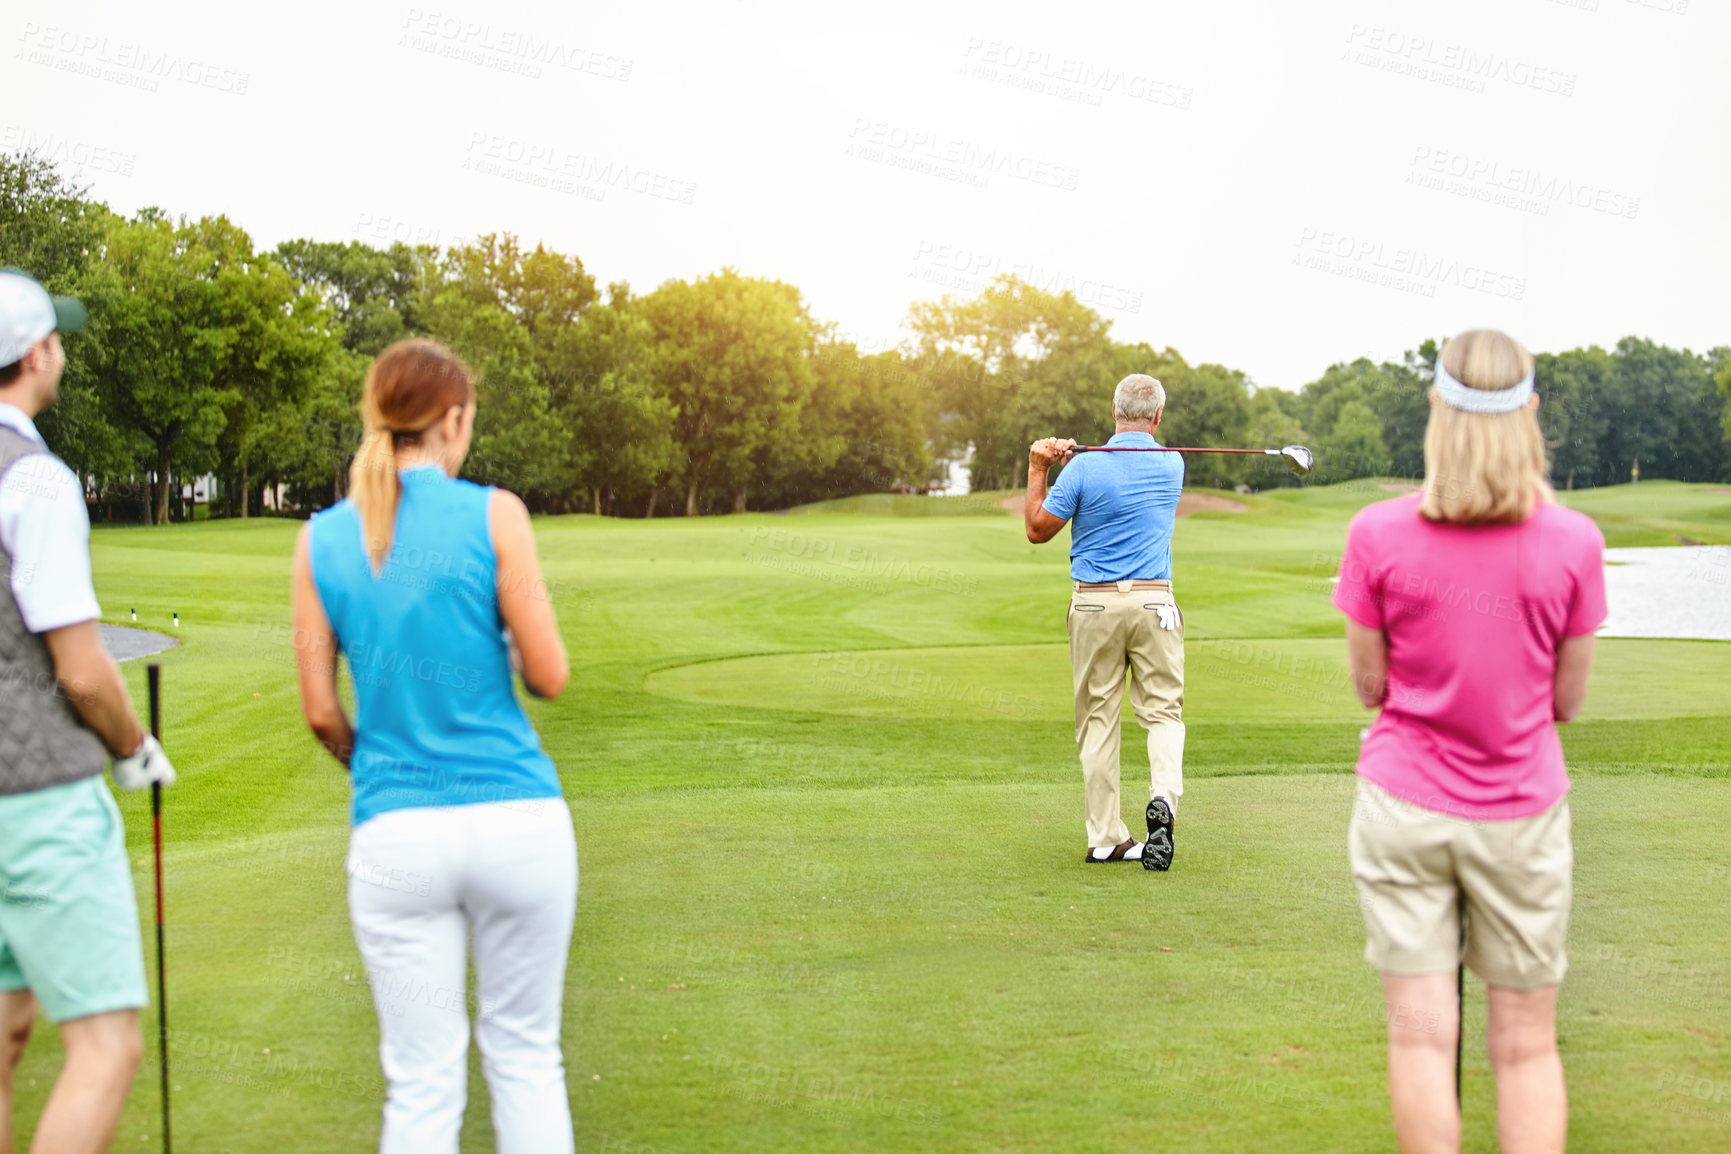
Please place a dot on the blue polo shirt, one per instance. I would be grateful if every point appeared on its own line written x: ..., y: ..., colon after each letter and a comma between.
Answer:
x: 1122, y: 507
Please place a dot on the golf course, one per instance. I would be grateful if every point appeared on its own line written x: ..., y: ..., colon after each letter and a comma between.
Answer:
x: 829, y: 817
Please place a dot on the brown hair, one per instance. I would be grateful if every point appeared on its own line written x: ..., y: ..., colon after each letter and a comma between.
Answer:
x: 410, y: 386
x: 1484, y: 468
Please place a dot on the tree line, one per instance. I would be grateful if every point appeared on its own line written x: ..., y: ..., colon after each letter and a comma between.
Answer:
x: 205, y: 355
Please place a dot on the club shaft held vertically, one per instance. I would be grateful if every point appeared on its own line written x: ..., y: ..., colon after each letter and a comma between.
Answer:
x: 153, y: 677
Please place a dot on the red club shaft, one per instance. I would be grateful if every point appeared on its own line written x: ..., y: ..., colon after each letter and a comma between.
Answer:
x: 1155, y: 449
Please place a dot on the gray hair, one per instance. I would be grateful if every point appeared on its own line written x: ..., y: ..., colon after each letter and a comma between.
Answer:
x: 1138, y: 398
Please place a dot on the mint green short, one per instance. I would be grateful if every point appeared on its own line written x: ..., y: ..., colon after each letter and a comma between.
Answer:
x: 68, y: 917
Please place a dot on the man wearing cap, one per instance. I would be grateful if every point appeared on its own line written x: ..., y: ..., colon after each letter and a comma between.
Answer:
x: 69, y: 937
x: 1122, y: 618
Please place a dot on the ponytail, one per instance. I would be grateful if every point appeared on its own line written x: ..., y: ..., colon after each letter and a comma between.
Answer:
x: 407, y: 388
x: 373, y: 487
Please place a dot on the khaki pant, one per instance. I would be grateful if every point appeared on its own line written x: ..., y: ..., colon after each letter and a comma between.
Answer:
x: 1414, y: 867
x: 1114, y: 632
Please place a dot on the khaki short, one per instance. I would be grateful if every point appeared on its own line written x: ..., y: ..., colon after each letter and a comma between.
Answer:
x: 1414, y: 866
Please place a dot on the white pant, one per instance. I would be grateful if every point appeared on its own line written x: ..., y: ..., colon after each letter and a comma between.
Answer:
x: 420, y: 881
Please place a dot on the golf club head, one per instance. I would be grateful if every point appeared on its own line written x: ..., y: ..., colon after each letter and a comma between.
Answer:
x: 1300, y: 458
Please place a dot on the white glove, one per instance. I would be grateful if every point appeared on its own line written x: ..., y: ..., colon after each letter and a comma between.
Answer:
x: 1168, y: 616
x: 148, y: 766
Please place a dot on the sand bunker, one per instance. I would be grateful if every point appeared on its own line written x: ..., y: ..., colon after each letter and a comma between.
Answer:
x: 1400, y: 487
x: 1188, y: 503
x: 126, y: 644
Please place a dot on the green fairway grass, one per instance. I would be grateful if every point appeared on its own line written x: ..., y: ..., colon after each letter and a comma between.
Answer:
x: 1658, y: 513
x: 830, y: 830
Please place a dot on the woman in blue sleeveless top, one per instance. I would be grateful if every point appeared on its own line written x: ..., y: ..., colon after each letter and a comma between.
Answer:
x: 428, y: 585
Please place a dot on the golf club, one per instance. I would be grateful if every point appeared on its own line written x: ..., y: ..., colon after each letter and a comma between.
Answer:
x: 153, y: 676
x: 1298, y: 458
x: 1460, y: 997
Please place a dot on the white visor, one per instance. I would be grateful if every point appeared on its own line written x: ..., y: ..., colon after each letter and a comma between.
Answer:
x: 1471, y: 400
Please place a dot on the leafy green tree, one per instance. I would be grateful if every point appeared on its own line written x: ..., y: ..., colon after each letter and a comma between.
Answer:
x: 1013, y: 364
x: 160, y: 340
x: 878, y: 410
x: 603, y: 385
x: 1353, y: 446
x: 732, y: 353
x: 1572, y: 387
x: 311, y: 443
x: 1401, y: 400
x: 374, y: 297
x: 1207, y: 406
x: 1721, y: 360
x: 283, y: 344
x: 1270, y: 426
x: 372, y: 293
x: 503, y: 309
x: 1396, y: 393
x: 1661, y: 412
x: 50, y: 228
x: 190, y: 328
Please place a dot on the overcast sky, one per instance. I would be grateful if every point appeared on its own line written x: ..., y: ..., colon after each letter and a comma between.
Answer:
x: 1273, y: 186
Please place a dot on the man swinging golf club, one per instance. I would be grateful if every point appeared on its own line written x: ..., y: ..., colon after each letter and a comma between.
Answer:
x: 68, y: 920
x: 1122, y: 614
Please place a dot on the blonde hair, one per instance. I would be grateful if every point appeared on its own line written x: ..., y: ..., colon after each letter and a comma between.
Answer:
x: 410, y: 386
x: 1484, y: 468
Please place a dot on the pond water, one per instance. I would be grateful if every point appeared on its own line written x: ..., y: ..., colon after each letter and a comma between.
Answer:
x: 1675, y: 591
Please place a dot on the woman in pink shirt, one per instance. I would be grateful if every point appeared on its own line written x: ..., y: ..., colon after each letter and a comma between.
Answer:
x: 1471, y: 608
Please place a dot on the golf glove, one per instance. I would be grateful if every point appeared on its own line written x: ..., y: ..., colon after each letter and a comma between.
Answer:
x: 1168, y: 616
x: 148, y: 766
